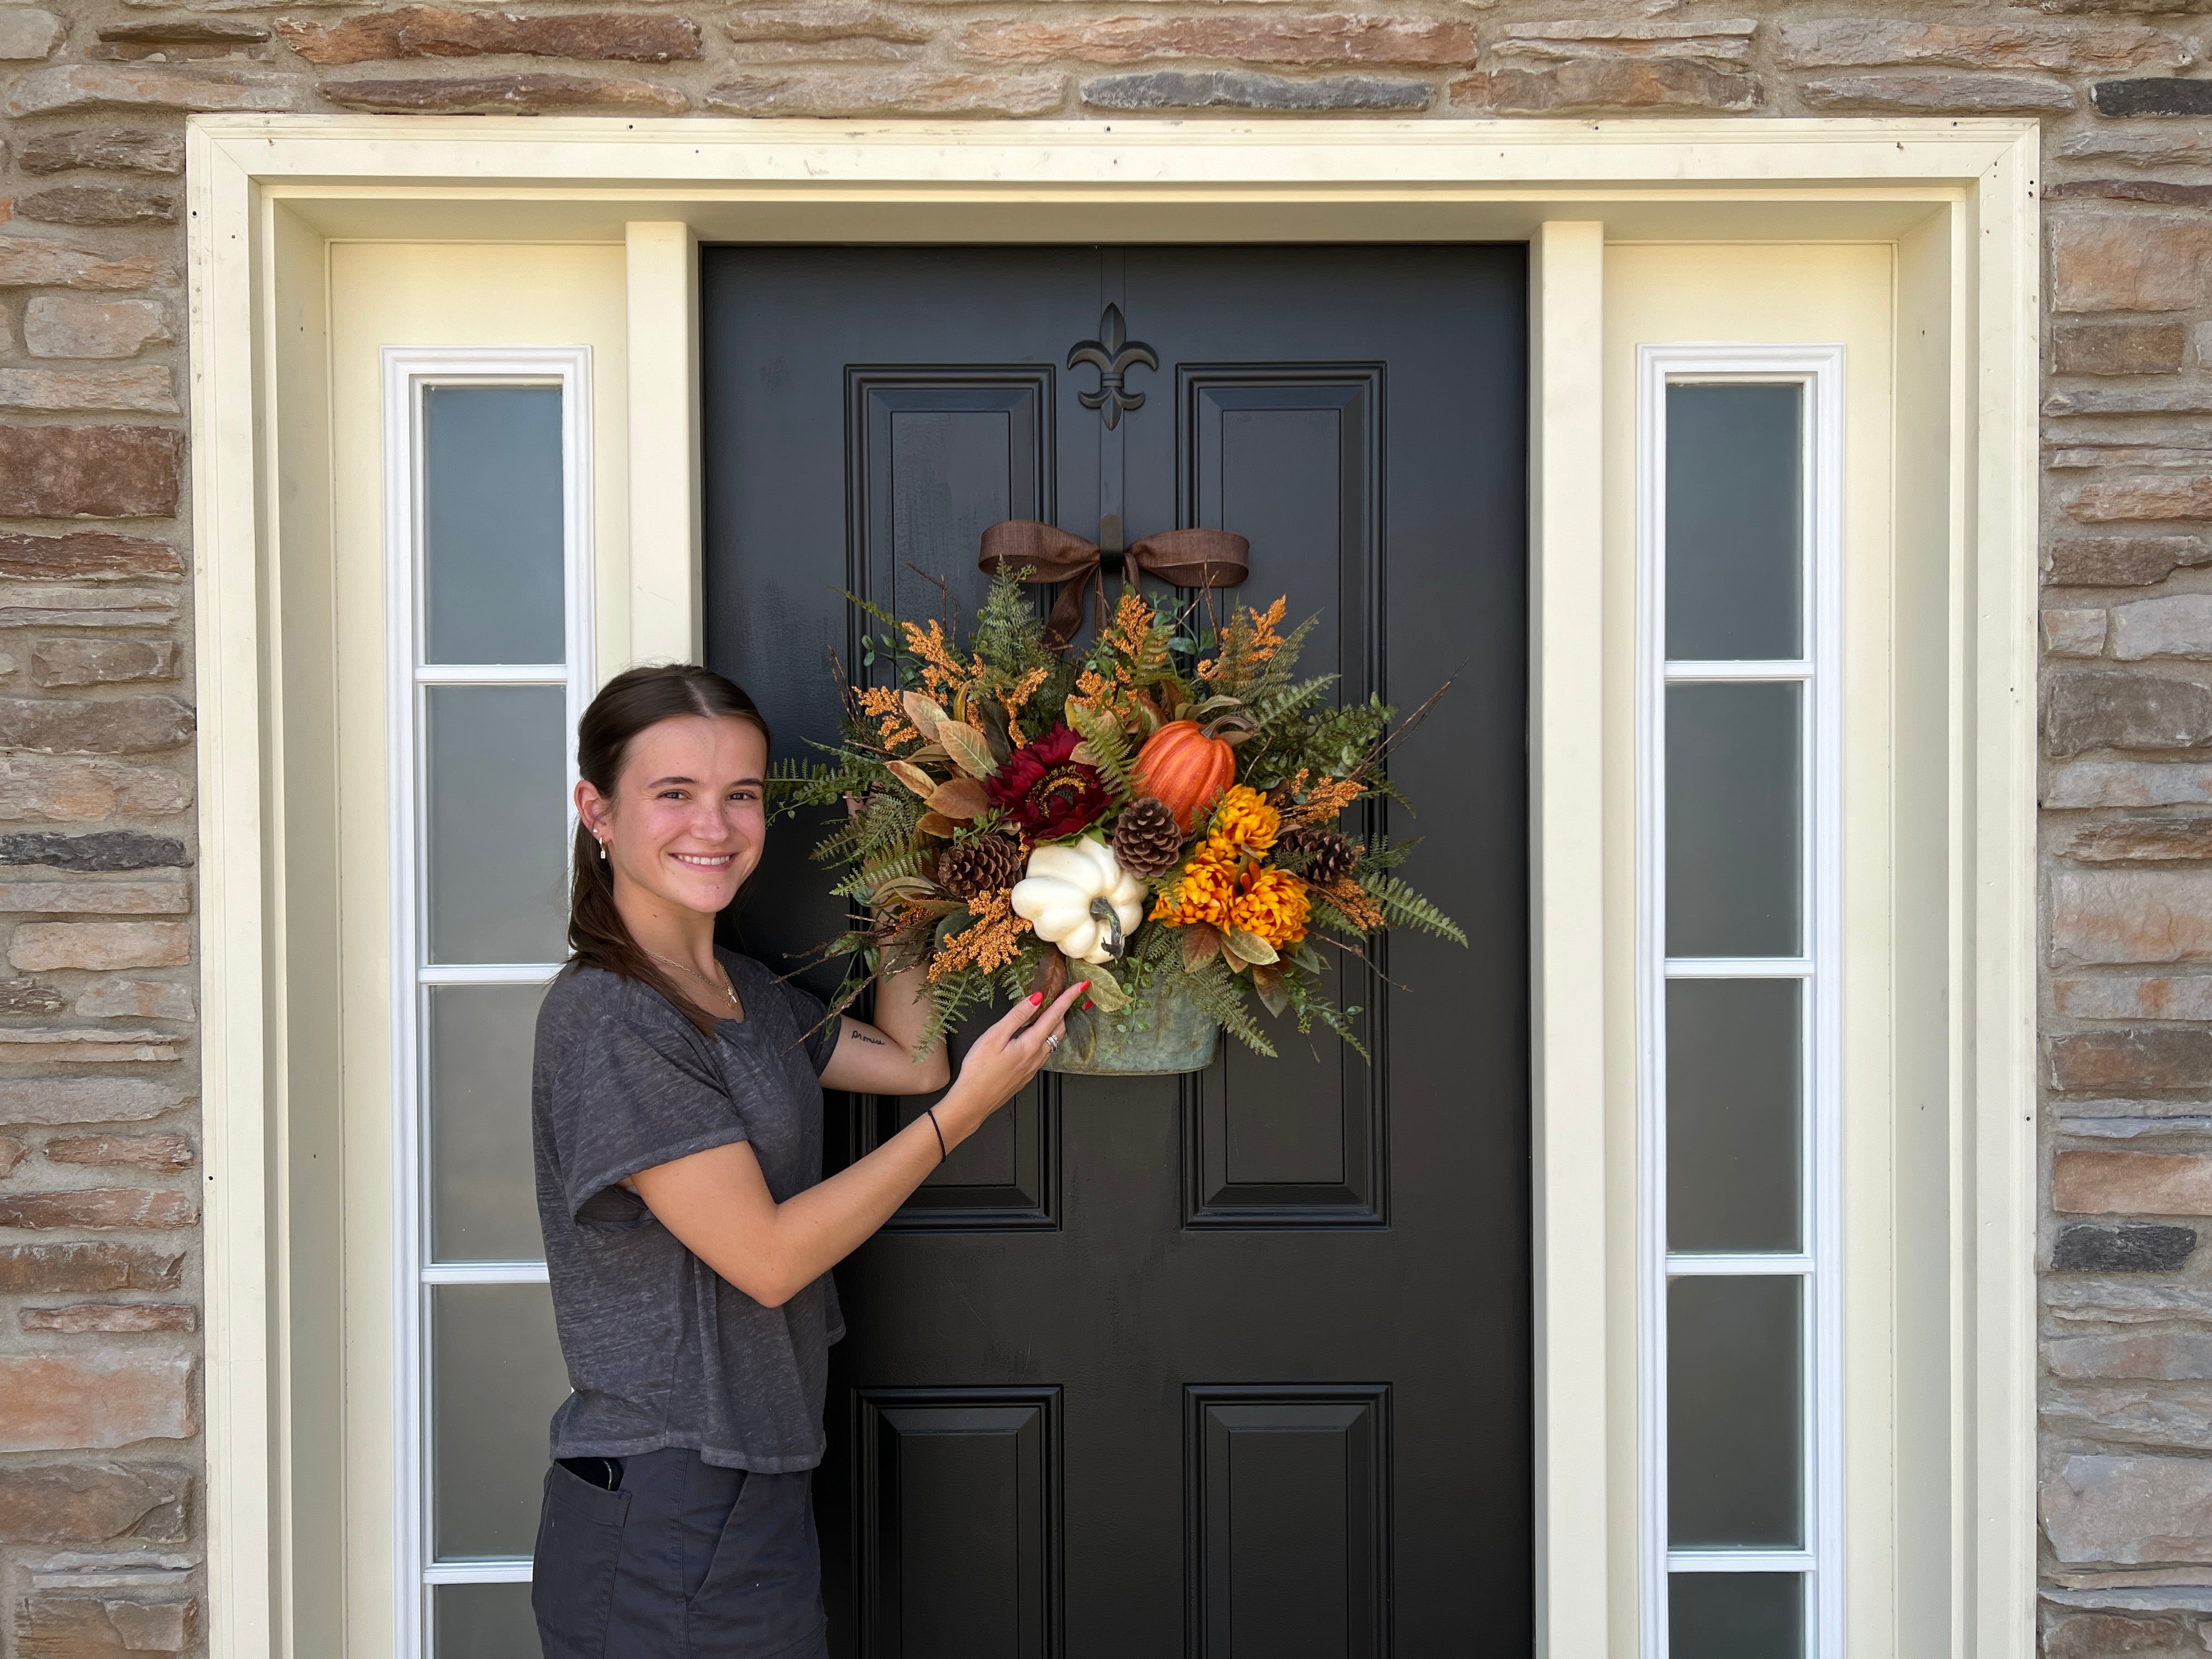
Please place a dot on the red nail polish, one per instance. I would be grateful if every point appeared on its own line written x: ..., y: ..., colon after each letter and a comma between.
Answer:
x: 1085, y: 986
x: 1087, y: 1002
x: 1035, y: 996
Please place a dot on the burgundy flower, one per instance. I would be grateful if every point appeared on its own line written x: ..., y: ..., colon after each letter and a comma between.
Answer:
x: 1046, y: 793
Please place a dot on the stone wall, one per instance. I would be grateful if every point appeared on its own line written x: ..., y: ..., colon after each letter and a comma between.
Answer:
x: 100, y: 1512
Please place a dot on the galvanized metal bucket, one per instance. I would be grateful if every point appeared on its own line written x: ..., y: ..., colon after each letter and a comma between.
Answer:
x: 1165, y: 1033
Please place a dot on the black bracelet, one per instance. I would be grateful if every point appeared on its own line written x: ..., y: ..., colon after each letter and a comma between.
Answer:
x: 931, y: 1112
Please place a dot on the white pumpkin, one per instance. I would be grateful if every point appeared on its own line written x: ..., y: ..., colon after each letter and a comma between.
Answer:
x: 1056, y: 896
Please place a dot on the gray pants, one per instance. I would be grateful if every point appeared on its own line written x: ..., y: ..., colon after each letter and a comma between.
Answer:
x: 684, y: 1561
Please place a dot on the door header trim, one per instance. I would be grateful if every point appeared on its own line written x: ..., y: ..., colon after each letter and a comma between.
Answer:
x: 268, y: 193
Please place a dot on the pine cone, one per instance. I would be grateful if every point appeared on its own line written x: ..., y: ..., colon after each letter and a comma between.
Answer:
x: 985, y: 864
x: 1329, y: 857
x: 1148, y: 840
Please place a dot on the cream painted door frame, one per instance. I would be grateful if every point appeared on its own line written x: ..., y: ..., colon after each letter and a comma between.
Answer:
x: 1954, y: 200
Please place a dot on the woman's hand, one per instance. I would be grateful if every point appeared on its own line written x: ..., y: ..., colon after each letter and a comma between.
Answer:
x: 1002, y: 1060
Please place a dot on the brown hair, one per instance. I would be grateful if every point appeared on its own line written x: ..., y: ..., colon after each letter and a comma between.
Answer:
x: 626, y: 705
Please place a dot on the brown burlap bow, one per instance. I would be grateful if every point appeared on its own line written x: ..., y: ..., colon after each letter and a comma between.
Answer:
x: 1183, y: 558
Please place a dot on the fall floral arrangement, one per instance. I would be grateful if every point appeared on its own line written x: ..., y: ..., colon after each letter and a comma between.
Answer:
x: 1160, y: 815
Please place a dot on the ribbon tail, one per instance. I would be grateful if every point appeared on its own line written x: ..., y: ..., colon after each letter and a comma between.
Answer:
x: 1066, y: 619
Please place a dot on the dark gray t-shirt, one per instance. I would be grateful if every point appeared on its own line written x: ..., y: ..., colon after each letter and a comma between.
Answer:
x: 662, y: 1350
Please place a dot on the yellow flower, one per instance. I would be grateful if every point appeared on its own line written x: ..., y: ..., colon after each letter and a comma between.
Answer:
x: 1202, y: 893
x: 1272, y: 904
x: 1242, y: 822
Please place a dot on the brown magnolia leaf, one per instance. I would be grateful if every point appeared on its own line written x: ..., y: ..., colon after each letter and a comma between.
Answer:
x: 1247, y: 946
x: 930, y: 754
x: 970, y: 749
x: 937, y: 825
x: 1051, y: 977
x: 1200, y: 945
x: 1084, y: 755
x: 923, y: 712
x: 913, y: 778
x: 1272, y: 984
x: 963, y: 797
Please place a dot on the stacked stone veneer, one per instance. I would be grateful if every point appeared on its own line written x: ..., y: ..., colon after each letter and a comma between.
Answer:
x: 100, y: 1512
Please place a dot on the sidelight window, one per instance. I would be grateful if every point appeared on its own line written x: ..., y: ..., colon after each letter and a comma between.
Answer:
x: 490, y: 656
x: 1739, y: 712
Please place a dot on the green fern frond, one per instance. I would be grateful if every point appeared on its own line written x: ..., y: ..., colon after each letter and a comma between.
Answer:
x: 1219, y: 996
x: 1407, y: 909
x: 1110, y: 750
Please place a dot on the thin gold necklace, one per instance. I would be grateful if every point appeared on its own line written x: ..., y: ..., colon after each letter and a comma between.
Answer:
x: 726, y: 988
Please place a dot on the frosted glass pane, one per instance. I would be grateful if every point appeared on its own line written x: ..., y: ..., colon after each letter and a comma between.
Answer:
x: 497, y: 776
x: 483, y: 1200
x: 491, y: 524
x: 483, y: 1621
x: 1733, y: 1113
x: 496, y: 1378
x: 1733, y: 820
x: 1735, y: 537
x: 1736, y: 1615
x: 1734, y: 1428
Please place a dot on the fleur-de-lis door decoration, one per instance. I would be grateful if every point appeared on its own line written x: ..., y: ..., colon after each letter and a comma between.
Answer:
x: 1113, y: 354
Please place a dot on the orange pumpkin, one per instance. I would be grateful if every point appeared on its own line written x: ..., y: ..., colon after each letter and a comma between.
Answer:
x: 1186, y: 766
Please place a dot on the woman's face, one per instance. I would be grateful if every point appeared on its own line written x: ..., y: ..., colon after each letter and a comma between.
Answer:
x: 686, y: 821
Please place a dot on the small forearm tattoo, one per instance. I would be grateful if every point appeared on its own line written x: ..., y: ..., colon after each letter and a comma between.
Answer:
x: 859, y: 1036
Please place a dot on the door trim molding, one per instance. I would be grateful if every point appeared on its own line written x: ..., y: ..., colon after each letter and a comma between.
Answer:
x: 267, y: 192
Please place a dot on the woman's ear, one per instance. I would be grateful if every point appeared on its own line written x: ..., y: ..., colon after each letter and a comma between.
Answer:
x: 593, y: 809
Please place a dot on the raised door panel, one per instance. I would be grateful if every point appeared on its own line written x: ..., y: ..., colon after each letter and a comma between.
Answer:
x: 1288, y: 1499
x: 934, y: 455
x: 1290, y: 455
x: 957, y: 1523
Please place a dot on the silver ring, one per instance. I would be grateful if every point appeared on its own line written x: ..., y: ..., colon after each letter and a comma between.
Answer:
x: 1052, y: 1042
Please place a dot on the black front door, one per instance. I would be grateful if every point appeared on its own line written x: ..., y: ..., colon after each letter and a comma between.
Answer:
x: 1235, y: 1365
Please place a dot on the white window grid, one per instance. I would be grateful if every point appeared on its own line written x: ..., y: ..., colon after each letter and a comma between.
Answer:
x: 1820, y: 370
x: 408, y: 372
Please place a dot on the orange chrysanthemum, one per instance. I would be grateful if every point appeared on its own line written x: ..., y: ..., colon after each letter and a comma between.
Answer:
x: 1242, y: 822
x: 1272, y: 904
x: 1202, y: 893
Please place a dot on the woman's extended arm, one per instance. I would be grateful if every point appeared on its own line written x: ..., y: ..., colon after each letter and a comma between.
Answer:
x: 877, y: 1058
x: 718, y: 1203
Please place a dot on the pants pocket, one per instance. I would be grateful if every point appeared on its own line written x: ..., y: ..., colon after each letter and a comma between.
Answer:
x: 763, y: 1594
x: 572, y: 1581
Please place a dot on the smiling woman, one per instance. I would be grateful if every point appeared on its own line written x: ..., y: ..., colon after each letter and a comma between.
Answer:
x: 677, y: 1123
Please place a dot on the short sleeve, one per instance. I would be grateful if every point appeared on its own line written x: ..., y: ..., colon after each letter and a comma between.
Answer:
x: 808, y: 1010
x: 628, y: 1099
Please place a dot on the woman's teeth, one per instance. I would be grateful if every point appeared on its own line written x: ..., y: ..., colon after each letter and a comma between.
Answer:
x: 717, y: 861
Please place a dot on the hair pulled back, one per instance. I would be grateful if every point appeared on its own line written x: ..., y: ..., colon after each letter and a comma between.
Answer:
x: 627, y: 705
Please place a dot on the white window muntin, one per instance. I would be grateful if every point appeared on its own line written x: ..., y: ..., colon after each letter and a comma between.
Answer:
x: 408, y: 374
x: 1819, y: 369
